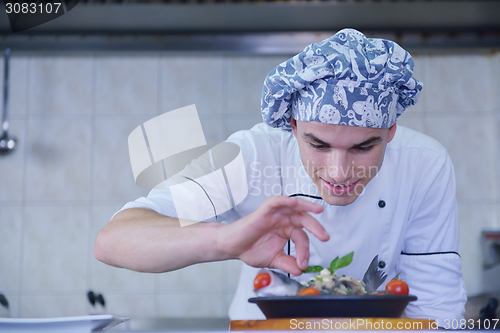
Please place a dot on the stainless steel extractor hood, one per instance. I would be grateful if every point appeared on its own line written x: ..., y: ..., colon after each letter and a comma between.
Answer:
x: 268, y: 26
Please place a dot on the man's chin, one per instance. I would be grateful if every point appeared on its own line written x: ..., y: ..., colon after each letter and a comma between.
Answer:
x: 339, y: 200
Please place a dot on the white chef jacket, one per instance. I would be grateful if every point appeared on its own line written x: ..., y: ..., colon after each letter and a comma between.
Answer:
x: 407, y: 215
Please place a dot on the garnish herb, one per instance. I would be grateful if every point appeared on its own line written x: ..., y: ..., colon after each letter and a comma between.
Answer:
x: 336, y: 263
x: 313, y: 269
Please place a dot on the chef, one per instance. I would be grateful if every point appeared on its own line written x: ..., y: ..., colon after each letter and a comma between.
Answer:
x: 330, y: 171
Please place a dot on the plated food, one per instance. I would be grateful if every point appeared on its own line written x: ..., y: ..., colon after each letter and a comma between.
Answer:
x: 329, y: 295
x: 269, y: 283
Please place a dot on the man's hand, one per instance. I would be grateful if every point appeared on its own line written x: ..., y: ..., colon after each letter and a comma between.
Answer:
x: 258, y: 239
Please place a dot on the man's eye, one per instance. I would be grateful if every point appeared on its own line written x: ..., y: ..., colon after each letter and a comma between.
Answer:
x: 364, y: 148
x: 318, y: 147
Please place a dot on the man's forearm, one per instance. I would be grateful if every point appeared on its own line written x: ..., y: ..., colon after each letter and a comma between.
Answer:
x: 142, y: 240
x: 145, y: 241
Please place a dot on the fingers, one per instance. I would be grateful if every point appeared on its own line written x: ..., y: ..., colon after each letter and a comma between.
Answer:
x: 312, y: 225
x: 259, y: 237
x: 297, y: 210
x: 287, y: 264
x: 301, y: 241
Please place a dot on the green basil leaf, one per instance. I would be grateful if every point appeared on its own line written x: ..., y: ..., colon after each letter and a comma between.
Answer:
x: 345, y: 260
x: 334, y: 264
x: 313, y: 269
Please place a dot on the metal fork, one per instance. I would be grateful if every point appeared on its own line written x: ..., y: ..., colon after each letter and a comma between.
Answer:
x: 374, y: 276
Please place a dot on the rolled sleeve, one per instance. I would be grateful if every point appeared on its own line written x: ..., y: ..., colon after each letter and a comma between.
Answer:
x: 159, y: 201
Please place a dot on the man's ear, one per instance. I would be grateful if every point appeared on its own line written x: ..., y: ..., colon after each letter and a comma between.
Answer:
x: 392, y: 132
x: 293, y: 123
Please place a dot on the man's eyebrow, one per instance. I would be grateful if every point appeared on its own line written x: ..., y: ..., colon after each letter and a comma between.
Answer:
x: 314, y: 138
x: 372, y: 140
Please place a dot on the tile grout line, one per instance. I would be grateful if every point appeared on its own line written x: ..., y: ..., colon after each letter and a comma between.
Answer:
x: 26, y: 128
x: 24, y: 186
x: 159, y: 83
x: 23, y: 191
x: 91, y: 175
x: 425, y: 111
x: 225, y: 293
x: 496, y: 74
x: 226, y: 84
x: 157, y: 285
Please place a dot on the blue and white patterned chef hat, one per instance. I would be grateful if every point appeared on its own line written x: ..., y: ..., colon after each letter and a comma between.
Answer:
x: 347, y: 79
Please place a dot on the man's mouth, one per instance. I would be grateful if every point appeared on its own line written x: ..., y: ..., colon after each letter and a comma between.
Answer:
x: 340, y: 189
x: 338, y: 185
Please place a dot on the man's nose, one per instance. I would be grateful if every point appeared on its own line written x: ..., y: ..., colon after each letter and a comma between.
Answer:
x: 339, y: 166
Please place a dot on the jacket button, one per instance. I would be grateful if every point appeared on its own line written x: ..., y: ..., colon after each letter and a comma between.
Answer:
x: 381, y: 264
x: 381, y: 203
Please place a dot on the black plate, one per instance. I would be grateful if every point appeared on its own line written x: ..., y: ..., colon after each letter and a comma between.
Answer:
x: 382, y: 306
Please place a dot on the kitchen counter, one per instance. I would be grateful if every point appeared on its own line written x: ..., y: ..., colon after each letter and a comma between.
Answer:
x: 173, y: 325
x: 221, y: 325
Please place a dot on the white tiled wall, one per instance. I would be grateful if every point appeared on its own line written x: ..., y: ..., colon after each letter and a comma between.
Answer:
x: 71, y: 171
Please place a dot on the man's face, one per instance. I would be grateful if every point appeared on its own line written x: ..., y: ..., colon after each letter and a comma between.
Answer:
x: 341, y: 159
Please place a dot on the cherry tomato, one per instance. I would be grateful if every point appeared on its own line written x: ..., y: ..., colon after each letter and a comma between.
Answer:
x: 397, y: 287
x: 310, y: 291
x: 261, y: 280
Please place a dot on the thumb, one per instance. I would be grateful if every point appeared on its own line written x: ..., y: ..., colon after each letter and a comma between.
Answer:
x: 286, y: 263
